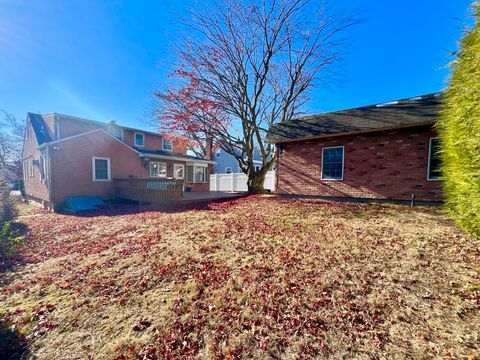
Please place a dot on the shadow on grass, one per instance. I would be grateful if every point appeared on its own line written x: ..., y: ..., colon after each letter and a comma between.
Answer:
x: 12, y: 344
x: 119, y: 208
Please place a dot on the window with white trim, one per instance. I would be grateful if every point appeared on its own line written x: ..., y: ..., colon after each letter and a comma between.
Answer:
x: 158, y: 169
x: 101, y: 169
x: 28, y: 130
x: 434, y: 162
x: 139, y: 139
x: 31, y: 168
x: 332, y: 163
x: 167, y: 144
x: 197, y: 174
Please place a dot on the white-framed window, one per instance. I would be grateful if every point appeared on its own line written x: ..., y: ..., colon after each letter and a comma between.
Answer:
x: 197, y: 173
x: 139, y: 139
x: 28, y: 130
x: 158, y: 169
x: 228, y: 170
x: 167, y: 144
x: 25, y: 170
x: 218, y: 153
x: 179, y: 171
x: 333, y: 163
x: 31, y: 168
x: 434, y: 161
x: 101, y: 170
x: 43, y: 168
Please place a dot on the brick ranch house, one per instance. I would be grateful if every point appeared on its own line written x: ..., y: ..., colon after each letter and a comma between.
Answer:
x: 382, y: 151
x: 70, y: 156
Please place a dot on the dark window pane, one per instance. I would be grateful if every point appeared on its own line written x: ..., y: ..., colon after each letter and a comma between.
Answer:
x: 101, y: 169
x: 332, y: 164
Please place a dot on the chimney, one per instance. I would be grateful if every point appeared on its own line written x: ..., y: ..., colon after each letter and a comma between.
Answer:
x: 208, y: 148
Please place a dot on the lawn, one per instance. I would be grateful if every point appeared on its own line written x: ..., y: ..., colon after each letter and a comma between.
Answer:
x: 257, y: 277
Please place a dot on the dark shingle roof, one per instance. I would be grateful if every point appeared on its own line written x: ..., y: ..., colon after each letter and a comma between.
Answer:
x: 414, y: 111
x: 39, y: 127
x: 165, y: 153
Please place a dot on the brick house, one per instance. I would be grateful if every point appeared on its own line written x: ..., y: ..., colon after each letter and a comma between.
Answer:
x: 382, y: 151
x: 66, y: 156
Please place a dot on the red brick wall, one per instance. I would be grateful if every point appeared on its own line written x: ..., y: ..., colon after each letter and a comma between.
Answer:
x: 34, y: 186
x: 73, y: 165
x: 152, y: 142
x: 383, y: 165
x: 71, y: 126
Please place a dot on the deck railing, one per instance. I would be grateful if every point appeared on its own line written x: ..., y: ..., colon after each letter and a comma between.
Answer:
x: 152, y: 191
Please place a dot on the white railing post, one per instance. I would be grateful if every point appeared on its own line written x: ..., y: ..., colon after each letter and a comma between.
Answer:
x: 233, y: 181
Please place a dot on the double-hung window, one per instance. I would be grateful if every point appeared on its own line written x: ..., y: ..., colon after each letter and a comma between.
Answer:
x: 197, y: 174
x: 167, y: 144
x: 158, y: 169
x: 332, y: 163
x: 139, y: 139
x: 101, y: 168
x: 434, y: 162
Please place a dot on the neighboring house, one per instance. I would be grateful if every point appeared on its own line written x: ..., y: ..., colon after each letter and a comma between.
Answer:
x: 226, y: 163
x: 66, y: 155
x: 383, y: 151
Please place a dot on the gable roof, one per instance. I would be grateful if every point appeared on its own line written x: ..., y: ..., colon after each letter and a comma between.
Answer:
x: 104, y: 124
x: 415, y: 111
x: 39, y: 127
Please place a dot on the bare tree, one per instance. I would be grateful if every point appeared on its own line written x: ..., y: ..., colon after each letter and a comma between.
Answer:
x: 254, y: 62
x: 11, y: 142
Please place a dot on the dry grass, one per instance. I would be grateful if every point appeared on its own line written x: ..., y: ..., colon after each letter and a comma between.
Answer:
x: 252, y: 278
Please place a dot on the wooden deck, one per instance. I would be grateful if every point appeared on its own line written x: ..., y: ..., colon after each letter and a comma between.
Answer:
x: 191, y: 197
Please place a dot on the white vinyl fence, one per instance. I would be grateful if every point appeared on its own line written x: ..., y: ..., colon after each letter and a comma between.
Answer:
x: 237, y: 182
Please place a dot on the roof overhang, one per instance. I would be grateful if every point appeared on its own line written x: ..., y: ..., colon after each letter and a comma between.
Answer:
x: 176, y: 158
x: 419, y: 124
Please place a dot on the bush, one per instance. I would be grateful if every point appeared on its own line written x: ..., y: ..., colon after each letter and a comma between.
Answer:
x: 459, y: 130
x: 9, y: 239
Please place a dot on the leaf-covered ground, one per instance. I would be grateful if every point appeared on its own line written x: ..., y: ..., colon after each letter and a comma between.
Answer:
x: 250, y: 278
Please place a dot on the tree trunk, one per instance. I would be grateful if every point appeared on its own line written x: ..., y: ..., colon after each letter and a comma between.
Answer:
x: 255, y: 183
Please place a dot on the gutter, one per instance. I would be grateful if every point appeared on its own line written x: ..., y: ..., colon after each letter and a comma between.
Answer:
x: 164, y: 157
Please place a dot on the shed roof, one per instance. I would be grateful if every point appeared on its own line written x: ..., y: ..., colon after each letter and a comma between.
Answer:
x: 415, y: 111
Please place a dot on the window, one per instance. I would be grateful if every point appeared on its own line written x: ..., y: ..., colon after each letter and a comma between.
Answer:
x: 28, y: 130
x: 332, y: 163
x: 217, y: 153
x: 139, y: 139
x: 25, y: 170
x: 197, y: 174
x: 179, y: 171
x: 31, y: 168
x: 158, y: 169
x: 228, y: 170
x: 101, y: 169
x: 257, y: 168
x: 200, y: 174
x: 434, y: 162
x: 43, y: 168
x: 167, y: 145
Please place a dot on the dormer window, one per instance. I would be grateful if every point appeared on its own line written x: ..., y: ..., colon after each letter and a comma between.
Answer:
x: 167, y: 144
x: 139, y: 139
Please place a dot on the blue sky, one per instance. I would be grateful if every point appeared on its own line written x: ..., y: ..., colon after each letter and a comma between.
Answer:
x: 102, y: 60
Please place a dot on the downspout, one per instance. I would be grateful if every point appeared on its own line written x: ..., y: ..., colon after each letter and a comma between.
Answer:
x: 51, y: 179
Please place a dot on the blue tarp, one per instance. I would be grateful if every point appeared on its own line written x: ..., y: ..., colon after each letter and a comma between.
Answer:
x: 82, y: 203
